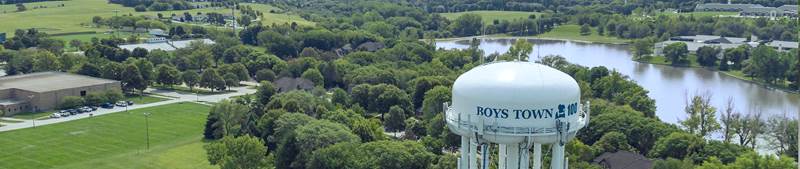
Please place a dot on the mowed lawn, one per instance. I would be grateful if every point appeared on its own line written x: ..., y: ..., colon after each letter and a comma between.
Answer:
x: 112, y: 141
x: 489, y: 16
x: 573, y: 32
x: 76, y: 15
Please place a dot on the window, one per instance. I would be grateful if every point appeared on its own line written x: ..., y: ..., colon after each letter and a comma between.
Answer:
x: 83, y: 93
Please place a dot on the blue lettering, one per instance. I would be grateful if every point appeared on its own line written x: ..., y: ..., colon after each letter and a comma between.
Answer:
x: 480, y: 111
x: 517, y: 113
x: 504, y: 114
x: 526, y: 114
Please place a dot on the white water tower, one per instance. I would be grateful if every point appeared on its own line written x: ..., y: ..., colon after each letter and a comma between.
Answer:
x: 518, y: 105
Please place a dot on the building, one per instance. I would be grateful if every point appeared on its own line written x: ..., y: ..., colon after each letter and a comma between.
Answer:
x: 718, y: 7
x: 623, y: 160
x: 693, y: 43
x: 783, y: 46
x: 766, y: 12
x: 164, y: 44
x: 45, y: 90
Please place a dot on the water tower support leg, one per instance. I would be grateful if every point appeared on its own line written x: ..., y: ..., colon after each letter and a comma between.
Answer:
x: 512, y: 156
x: 525, y: 157
x: 503, y: 156
x: 537, y: 156
x: 473, y: 154
x: 557, y: 161
x: 463, y: 163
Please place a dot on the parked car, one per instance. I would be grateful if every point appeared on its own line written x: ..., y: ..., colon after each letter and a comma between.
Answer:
x: 85, y: 109
x: 64, y: 113
x: 129, y: 102
x: 73, y: 111
x: 93, y: 108
x: 122, y: 104
x: 107, y: 105
x: 55, y: 115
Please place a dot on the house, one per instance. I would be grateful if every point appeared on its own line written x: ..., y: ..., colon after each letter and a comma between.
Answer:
x: 718, y: 7
x: 286, y: 84
x: 157, y: 33
x: 46, y: 90
x: 623, y: 160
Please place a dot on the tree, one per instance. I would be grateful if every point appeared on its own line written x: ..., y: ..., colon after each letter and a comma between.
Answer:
x: 676, y: 53
x: 728, y: 120
x: 641, y: 48
x: 89, y: 69
x: 212, y: 80
x: 586, y: 30
x: 467, y: 25
x: 190, y: 78
x: 243, y: 152
x: 316, y: 135
x: 767, y: 64
x: 265, y: 75
x: 168, y: 75
x: 95, y: 98
x: 132, y: 79
x: 139, y: 52
x: 45, y: 61
x: 753, y: 160
x: 113, y: 96
x: 613, y: 142
x: 672, y: 163
x: 264, y: 92
x: 707, y: 55
x: 367, y: 129
x: 340, y: 97
x: 434, y: 98
x: 521, y: 49
x: 71, y: 102
x: 396, y: 119
x: 782, y: 132
x: 231, y: 80
x: 315, y: 76
x: 702, y: 118
x: 677, y: 145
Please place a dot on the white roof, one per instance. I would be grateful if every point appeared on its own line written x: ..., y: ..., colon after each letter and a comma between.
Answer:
x: 165, y: 46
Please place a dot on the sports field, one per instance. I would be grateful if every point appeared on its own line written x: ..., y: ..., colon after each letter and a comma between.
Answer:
x: 76, y: 15
x: 112, y: 141
x: 489, y: 16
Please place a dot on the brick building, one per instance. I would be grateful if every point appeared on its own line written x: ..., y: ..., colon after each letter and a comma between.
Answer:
x: 45, y: 90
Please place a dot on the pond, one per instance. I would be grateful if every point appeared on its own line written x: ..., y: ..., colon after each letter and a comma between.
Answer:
x: 668, y: 85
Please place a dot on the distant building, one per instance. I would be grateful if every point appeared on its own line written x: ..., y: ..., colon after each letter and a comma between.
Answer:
x: 623, y: 160
x: 718, y: 7
x: 46, y: 90
x: 765, y: 12
x: 157, y: 33
x: 286, y: 84
x: 164, y: 44
x: 693, y: 43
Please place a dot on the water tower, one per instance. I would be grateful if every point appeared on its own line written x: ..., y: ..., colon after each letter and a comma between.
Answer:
x: 518, y: 105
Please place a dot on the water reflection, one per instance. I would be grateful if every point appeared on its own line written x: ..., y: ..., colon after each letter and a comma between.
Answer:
x: 667, y: 85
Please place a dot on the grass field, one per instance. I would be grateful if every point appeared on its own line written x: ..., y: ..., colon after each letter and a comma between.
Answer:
x: 138, y: 99
x: 572, y: 32
x: 112, y: 141
x: 489, y: 16
x: 76, y: 15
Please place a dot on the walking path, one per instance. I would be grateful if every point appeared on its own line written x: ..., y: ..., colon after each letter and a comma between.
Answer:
x: 176, y: 98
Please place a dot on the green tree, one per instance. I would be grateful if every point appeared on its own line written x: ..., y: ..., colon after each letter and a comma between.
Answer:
x: 113, y: 95
x: 132, y: 79
x: 753, y: 160
x: 265, y: 75
x: 521, y: 49
x: 367, y: 129
x: 677, y: 145
x: 767, y: 64
x: 316, y: 135
x: 641, y: 48
x: 676, y: 53
x: 211, y: 79
x: 467, y: 25
x: 396, y: 119
x: 702, y: 118
x: 167, y: 75
x: 95, y: 98
x: 45, y: 61
x: 707, y: 55
x: 243, y: 152
x: 264, y: 92
x: 315, y: 76
x: 70, y: 102
x: 586, y: 30
x: 434, y: 98
x: 231, y: 80
x: 340, y: 97
x: 190, y: 78
x: 613, y: 142
x: 671, y: 163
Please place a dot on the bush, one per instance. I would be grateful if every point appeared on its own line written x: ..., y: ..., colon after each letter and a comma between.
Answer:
x: 95, y: 98
x: 114, y: 96
x: 71, y: 102
x: 265, y: 75
x: 140, y: 8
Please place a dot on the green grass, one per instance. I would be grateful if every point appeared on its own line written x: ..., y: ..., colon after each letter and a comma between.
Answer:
x: 138, y: 99
x: 76, y: 15
x: 572, y: 32
x: 661, y: 60
x: 489, y: 16
x: 9, y: 121
x: 33, y: 115
x: 112, y: 141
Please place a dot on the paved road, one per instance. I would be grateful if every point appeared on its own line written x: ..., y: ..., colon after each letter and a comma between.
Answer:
x: 174, y: 96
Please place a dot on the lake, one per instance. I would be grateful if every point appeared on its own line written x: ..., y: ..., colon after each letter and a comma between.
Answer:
x: 667, y: 85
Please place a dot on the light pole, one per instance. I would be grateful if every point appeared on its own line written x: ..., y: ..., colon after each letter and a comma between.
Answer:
x: 147, y: 130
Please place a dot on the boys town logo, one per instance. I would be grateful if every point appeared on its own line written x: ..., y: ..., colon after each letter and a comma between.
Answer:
x: 556, y: 112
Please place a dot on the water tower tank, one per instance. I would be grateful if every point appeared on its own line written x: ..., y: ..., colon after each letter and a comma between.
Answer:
x: 516, y: 103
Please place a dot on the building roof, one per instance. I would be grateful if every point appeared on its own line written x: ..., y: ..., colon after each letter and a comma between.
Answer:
x: 784, y: 44
x: 788, y: 7
x: 725, y: 6
x: 286, y: 84
x: 623, y: 160
x: 49, y: 81
x: 693, y: 46
x: 762, y: 10
x: 165, y: 46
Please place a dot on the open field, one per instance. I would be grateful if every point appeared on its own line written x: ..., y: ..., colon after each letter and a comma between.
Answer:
x: 489, y: 16
x: 139, y: 99
x: 112, y: 141
x: 76, y: 15
x: 572, y: 32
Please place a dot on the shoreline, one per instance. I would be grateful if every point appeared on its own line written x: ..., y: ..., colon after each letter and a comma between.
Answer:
x: 505, y: 36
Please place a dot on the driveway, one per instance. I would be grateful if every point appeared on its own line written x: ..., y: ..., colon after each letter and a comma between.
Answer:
x: 174, y: 96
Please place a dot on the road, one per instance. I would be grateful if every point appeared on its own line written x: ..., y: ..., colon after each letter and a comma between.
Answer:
x: 174, y: 97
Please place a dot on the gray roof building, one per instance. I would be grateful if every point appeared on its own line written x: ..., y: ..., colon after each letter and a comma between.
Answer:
x: 783, y: 45
x: 164, y: 45
x: 723, y: 7
x: 788, y: 8
x: 46, y: 90
x: 623, y: 160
